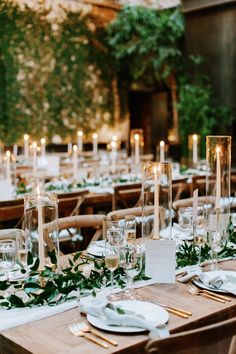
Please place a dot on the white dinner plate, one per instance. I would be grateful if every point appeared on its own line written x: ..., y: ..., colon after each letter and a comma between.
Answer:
x: 229, y: 275
x: 150, y: 311
x: 97, y: 248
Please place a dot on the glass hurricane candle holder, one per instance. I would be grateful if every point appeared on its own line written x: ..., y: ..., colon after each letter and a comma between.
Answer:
x: 41, y: 224
x: 157, y: 200
x: 136, y: 145
x: 194, y: 149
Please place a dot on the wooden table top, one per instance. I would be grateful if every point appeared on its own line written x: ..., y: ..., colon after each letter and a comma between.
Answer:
x: 51, y: 335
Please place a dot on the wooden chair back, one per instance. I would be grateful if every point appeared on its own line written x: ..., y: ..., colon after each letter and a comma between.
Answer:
x: 11, y: 210
x: 188, y: 202
x: 70, y: 203
x: 127, y: 194
x: 96, y: 222
x: 219, y: 338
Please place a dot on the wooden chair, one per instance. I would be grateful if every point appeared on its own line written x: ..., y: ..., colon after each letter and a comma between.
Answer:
x: 188, y: 202
x: 11, y: 212
x: 126, y: 195
x: 10, y: 234
x: 94, y: 222
x: 180, y: 188
x: 219, y: 338
x: 70, y: 203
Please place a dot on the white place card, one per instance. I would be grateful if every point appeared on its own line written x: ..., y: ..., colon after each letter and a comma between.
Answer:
x: 53, y: 166
x: 6, y: 190
x: 160, y: 260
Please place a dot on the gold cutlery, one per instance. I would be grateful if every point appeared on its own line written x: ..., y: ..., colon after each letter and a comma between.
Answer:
x: 222, y: 297
x: 82, y: 326
x: 76, y: 332
x: 194, y: 291
x: 174, y: 310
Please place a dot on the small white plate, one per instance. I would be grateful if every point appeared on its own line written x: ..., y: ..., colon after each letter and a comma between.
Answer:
x: 229, y: 275
x: 150, y: 311
x: 97, y: 248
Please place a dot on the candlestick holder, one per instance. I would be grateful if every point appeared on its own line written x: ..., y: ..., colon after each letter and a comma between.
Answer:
x: 194, y: 149
x: 157, y: 200
x: 41, y: 210
x: 136, y: 145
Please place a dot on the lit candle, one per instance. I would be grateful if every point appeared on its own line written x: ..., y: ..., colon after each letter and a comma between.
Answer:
x: 136, y: 148
x: 43, y: 147
x: 8, y: 165
x: 75, y: 162
x: 218, y: 178
x: 69, y: 149
x: 26, y: 146
x: 195, y: 153
x: 34, y: 148
x: 156, y: 203
x: 113, y: 155
x: 162, y: 151
x: 15, y: 150
x: 80, y: 141
x: 40, y: 230
x: 95, y: 144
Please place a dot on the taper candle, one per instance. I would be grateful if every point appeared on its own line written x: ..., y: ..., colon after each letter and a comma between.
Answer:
x: 218, y: 178
x: 136, y: 148
x: 162, y: 151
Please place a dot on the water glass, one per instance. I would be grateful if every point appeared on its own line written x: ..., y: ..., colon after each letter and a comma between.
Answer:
x: 115, y: 233
x: 133, y: 266
x: 130, y: 229
x: 200, y: 229
x: 8, y: 252
x: 185, y: 217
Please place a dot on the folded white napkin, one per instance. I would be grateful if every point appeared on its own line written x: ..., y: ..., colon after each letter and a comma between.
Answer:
x: 177, y: 232
x: 100, y: 190
x: 108, y: 312
x: 212, y: 279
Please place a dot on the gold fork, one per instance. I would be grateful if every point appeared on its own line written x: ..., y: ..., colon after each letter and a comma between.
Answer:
x: 76, y: 332
x: 194, y: 291
x: 82, y: 326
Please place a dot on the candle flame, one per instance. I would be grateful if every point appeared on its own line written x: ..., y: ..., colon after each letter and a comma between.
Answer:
x: 218, y: 150
x: 114, y: 138
x: 34, y: 145
x: 26, y: 137
x: 95, y: 136
x: 194, y: 137
x: 43, y: 141
x: 162, y: 143
x: 75, y: 147
x: 113, y: 144
x: 8, y: 153
x: 80, y: 133
x: 38, y: 190
x: 136, y: 136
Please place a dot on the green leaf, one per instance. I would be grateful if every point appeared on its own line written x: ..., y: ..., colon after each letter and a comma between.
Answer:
x: 30, y: 258
x: 77, y: 256
x: 35, y: 265
x: 15, y: 301
x: 4, y: 285
x: 53, y: 256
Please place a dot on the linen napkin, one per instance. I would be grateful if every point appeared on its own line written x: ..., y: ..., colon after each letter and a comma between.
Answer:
x: 112, y: 315
x: 177, y: 232
x: 212, y: 279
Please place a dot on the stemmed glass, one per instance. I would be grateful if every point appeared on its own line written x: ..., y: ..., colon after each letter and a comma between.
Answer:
x: 199, y: 229
x: 133, y: 265
x: 112, y: 261
x: 8, y: 251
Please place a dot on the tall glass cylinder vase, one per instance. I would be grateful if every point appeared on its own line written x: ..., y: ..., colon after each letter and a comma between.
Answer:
x: 218, y: 156
x: 157, y: 200
x: 41, y: 225
x: 136, y: 146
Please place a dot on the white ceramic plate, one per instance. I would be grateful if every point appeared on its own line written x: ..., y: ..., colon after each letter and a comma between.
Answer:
x: 229, y: 275
x: 97, y: 248
x: 150, y: 311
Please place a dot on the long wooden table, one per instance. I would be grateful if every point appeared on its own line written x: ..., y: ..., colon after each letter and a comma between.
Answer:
x: 51, y: 335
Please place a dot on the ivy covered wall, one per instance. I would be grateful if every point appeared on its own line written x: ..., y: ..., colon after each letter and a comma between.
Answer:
x: 54, y: 77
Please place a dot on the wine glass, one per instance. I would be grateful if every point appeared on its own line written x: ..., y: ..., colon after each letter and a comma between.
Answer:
x: 199, y: 229
x: 115, y: 233
x: 133, y: 265
x: 185, y: 219
x: 8, y: 251
x: 111, y: 261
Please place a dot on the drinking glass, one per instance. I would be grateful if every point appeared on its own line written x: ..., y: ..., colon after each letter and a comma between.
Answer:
x: 115, y: 233
x: 8, y: 251
x: 200, y: 230
x: 185, y: 219
x: 133, y: 266
x: 111, y: 261
x: 130, y: 229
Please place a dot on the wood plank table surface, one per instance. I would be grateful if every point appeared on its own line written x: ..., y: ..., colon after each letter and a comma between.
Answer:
x: 52, y: 336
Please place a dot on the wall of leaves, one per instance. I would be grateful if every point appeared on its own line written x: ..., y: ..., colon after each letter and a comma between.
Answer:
x: 54, y: 78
